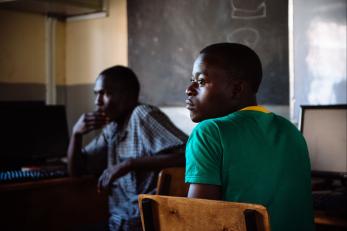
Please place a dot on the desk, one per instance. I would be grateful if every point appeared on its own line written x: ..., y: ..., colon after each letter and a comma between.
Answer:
x: 333, y: 218
x: 54, y: 204
x: 329, y: 222
x: 72, y: 204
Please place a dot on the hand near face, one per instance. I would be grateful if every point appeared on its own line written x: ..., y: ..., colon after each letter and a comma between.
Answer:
x: 110, y: 174
x: 90, y: 121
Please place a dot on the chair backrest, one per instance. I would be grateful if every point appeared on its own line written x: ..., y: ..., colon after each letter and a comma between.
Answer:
x: 166, y: 213
x: 171, y: 182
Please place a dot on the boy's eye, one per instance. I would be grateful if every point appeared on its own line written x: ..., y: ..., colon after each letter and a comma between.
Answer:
x: 201, y: 81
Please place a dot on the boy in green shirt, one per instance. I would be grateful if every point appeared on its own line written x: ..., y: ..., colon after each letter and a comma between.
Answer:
x: 240, y: 151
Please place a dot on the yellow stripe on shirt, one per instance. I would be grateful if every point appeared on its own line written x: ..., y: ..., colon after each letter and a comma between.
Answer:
x: 256, y: 108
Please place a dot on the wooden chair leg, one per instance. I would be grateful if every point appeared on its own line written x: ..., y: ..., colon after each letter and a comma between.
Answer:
x: 148, y: 214
x: 165, y: 187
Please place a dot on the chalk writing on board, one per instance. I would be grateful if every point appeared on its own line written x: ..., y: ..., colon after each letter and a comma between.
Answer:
x: 238, y: 12
x: 246, y: 35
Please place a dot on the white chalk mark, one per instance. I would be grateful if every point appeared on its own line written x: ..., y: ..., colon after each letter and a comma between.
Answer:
x: 241, y: 13
x: 245, y: 35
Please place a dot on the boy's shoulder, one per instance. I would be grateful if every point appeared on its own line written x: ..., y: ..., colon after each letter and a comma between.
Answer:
x: 144, y: 110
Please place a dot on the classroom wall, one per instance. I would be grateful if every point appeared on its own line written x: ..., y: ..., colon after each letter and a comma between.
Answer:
x: 22, y: 57
x: 82, y: 49
x: 95, y: 44
x: 91, y: 46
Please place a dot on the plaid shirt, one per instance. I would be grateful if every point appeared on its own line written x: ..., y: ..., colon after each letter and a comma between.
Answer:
x: 148, y: 132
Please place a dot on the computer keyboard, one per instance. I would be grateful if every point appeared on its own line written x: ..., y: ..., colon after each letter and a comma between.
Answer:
x: 330, y: 201
x: 31, y: 175
x: 320, y: 199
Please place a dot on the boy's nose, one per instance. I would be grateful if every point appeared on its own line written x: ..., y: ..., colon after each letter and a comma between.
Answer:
x: 191, y: 89
x: 98, y: 100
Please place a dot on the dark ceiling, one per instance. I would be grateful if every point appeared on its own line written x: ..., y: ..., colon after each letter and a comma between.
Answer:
x: 54, y: 8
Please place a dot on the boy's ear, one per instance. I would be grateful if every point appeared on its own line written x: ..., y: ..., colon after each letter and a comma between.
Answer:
x: 238, y: 89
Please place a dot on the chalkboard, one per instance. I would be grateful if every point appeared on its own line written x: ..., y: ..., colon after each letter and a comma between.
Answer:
x: 165, y: 37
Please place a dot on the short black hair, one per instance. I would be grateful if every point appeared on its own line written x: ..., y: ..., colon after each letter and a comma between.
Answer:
x: 239, y: 59
x: 122, y: 79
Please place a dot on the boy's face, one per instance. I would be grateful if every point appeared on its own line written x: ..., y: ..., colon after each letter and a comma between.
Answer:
x: 209, y: 94
x: 109, y: 100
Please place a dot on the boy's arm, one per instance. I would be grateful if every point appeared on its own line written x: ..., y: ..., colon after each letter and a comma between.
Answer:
x: 205, y: 191
x: 74, y: 155
x: 146, y: 163
x: 85, y: 124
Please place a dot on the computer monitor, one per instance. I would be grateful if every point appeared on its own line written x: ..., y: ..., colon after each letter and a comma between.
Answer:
x: 25, y: 103
x: 32, y: 134
x: 325, y: 130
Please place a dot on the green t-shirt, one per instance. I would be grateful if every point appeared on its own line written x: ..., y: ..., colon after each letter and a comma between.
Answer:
x: 256, y: 157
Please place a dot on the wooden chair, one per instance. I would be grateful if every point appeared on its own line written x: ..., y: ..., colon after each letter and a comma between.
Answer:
x: 166, y: 213
x: 171, y: 182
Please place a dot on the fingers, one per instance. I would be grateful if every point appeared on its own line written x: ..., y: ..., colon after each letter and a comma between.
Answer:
x: 104, y: 181
x: 93, y: 125
x: 93, y: 120
x: 111, y: 174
